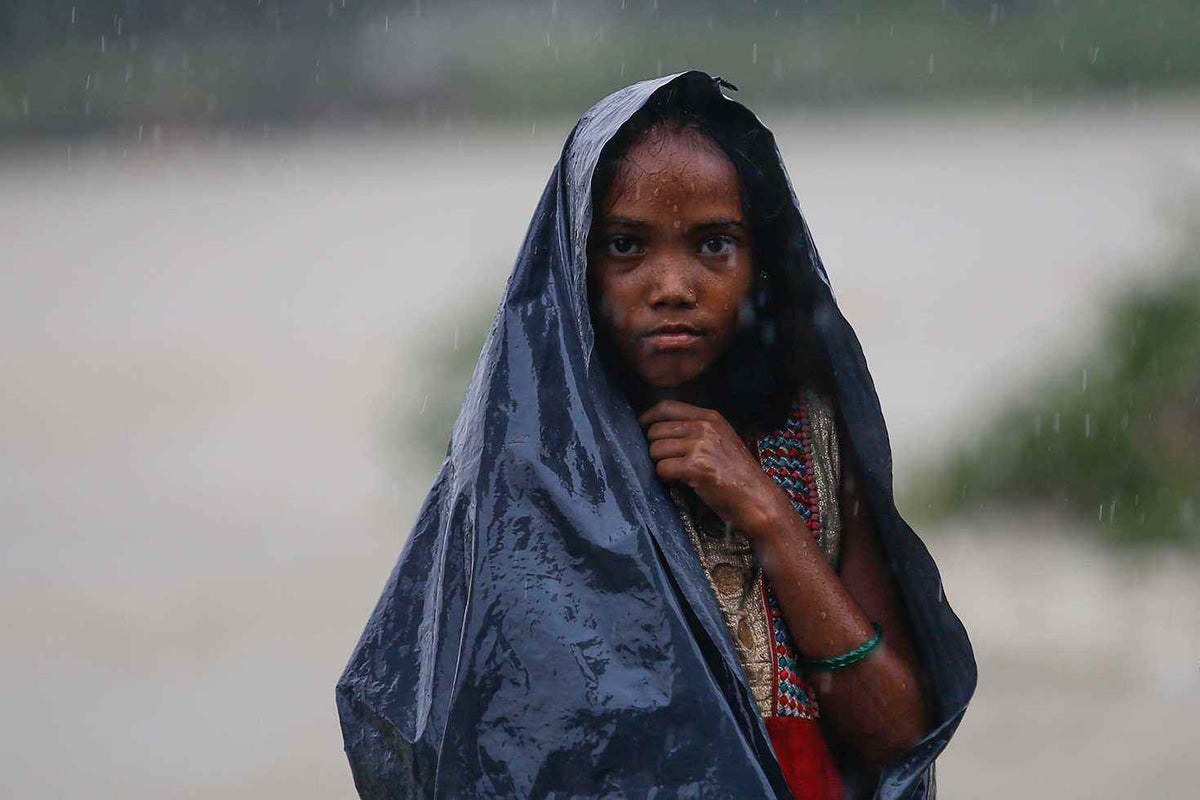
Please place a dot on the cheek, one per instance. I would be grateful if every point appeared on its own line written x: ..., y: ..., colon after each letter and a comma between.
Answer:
x: 609, y: 307
x: 735, y: 302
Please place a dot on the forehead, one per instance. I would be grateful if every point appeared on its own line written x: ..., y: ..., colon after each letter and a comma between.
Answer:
x: 680, y: 169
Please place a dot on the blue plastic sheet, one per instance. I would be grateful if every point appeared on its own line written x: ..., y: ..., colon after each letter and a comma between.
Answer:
x: 547, y: 630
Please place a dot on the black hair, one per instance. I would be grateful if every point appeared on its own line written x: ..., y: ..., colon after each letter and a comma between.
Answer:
x: 774, y: 353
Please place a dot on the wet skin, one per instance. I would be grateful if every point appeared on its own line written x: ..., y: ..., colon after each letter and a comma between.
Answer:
x: 670, y: 267
x: 670, y: 259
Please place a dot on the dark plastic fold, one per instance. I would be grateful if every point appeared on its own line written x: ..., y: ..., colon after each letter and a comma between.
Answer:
x: 547, y: 630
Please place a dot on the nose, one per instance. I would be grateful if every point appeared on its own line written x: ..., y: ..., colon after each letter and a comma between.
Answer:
x: 672, y: 284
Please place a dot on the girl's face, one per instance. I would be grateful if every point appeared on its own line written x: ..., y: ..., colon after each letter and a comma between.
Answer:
x: 669, y: 257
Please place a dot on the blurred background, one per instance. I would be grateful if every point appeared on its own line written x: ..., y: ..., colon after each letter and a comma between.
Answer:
x: 249, y: 250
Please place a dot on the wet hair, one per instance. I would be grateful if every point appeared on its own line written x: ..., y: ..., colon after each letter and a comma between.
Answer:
x: 774, y: 354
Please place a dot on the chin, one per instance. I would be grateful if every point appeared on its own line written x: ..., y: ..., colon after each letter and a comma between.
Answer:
x: 670, y: 378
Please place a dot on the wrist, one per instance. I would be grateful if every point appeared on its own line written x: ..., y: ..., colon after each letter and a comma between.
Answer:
x: 768, y: 517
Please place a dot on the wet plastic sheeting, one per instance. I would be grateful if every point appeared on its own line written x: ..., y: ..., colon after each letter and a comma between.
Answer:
x: 547, y: 629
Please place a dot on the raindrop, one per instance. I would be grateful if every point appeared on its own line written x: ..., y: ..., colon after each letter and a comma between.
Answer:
x: 69, y: 146
x: 455, y: 334
x: 754, y: 53
x: 930, y: 63
x: 25, y: 105
x: 1093, y: 54
x: 103, y: 45
x: 387, y: 23
x: 1087, y: 426
x: 1056, y: 424
x: 424, y: 402
x: 1085, y: 379
x: 72, y: 15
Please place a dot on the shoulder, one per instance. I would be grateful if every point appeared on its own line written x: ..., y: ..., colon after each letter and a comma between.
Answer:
x: 826, y: 464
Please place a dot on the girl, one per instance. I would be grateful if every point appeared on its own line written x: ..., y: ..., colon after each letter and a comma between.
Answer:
x: 662, y: 557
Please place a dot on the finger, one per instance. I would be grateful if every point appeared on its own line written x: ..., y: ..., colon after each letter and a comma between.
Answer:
x: 673, y: 470
x: 672, y: 430
x: 669, y: 448
x: 672, y: 410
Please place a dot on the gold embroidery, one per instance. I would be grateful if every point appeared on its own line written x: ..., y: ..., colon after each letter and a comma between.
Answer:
x: 728, y: 561
x: 827, y: 472
x: 727, y: 579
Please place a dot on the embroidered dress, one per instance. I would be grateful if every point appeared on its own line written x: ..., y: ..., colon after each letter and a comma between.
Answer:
x: 802, y: 457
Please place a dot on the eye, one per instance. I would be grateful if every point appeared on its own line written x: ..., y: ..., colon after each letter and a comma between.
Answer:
x: 718, y: 246
x: 622, y: 246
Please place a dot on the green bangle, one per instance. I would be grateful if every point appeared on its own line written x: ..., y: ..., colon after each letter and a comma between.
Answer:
x: 846, y: 659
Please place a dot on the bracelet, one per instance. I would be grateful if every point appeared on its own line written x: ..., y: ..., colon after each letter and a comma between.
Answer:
x: 846, y: 659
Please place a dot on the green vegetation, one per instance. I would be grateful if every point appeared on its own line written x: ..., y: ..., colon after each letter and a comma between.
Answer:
x: 116, y: 65
x: 1117, y: 440
x: 449, y: 360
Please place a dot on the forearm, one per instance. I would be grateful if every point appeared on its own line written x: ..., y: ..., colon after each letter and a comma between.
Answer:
x: 875, y: 707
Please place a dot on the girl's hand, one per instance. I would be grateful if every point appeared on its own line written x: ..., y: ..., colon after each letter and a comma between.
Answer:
x: 699, y: 448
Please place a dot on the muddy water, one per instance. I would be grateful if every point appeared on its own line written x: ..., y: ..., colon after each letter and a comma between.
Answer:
x: 206, y: 346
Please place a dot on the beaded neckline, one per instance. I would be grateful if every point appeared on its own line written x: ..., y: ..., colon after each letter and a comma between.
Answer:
x: 786, y: 456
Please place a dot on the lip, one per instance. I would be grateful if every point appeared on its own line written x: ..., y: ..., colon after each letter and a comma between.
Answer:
x: 673, y: 337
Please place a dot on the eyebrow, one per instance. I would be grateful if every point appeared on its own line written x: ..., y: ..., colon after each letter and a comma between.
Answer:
x: 629, y: 222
